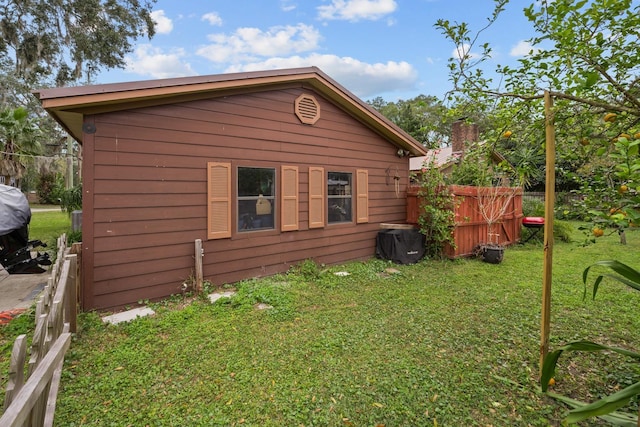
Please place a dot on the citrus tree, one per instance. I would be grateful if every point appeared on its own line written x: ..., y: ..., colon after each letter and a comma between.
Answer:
x: 584, y: 53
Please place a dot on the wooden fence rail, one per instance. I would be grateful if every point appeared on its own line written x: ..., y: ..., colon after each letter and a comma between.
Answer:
x: 32, y: 403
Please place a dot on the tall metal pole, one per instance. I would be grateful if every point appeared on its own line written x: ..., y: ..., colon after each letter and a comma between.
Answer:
x: 549, y: 197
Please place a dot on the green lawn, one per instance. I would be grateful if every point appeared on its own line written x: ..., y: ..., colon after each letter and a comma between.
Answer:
x: 48, y: 226
x: 440, y: 343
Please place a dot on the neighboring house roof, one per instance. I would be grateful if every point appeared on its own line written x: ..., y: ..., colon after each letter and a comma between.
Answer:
x: 441, y: 157
x: 445, y: 156
x: 69, y: 105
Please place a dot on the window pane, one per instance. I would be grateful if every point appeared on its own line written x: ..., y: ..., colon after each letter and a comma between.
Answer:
x: 339, y: 197
x: 256, y: 196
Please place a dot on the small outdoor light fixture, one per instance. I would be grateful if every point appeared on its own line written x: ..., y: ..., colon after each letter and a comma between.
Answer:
x: 402, y: 153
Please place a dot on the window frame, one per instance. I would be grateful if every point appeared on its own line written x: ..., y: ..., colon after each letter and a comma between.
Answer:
x: 349, y: 197
x: 273, y: 199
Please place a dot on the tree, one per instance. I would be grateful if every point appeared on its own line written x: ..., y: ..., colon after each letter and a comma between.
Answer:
x: 424, y: 117
x: 584, y: 53
x: 68, y: 39
x: 18, y: 138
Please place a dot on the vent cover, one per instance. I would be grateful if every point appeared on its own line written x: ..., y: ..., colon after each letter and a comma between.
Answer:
x: 307, y: 109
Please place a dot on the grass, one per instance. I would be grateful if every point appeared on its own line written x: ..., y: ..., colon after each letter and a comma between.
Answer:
x: 438, y: 343
x: 48, y: 226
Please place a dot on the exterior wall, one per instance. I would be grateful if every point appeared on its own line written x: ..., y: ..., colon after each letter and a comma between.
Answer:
x: 145, y: 191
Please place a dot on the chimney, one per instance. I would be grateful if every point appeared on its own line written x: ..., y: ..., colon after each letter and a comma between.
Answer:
x: 462, y: 134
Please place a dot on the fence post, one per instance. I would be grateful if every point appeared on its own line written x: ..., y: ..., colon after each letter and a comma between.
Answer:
x: 70, y: 305
x: 199, y: 274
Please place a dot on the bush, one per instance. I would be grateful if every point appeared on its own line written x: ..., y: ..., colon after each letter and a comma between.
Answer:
x: 71, y: 199
x: 532, y: 207
x: 49, y: 189
x: 561, y: 232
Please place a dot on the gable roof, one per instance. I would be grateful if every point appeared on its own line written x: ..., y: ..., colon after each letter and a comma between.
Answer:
x: 69, y: 105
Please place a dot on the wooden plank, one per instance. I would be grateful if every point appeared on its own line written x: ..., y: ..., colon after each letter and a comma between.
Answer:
x: 18, y: 413
x: 16, y: 369
x: 52, y: 397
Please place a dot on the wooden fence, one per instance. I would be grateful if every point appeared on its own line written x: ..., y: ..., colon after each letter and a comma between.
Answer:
x: 32, y: 403
x: 471, y: 230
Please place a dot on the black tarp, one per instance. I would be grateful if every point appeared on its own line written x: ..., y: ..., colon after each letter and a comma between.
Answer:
x: 402, y: 246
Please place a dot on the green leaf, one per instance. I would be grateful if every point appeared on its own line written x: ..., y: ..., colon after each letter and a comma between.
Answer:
x: 591, y: 79
x: 626, y: 274
x: 614, y: 418
x: 605, y: 405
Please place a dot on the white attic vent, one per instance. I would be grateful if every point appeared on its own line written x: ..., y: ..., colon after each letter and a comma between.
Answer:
x: 307, y: 109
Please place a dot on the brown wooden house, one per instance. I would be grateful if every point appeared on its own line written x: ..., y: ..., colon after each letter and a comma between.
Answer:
x: 267, y: 168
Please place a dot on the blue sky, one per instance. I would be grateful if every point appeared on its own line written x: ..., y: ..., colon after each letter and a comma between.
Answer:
x: 386, y: 48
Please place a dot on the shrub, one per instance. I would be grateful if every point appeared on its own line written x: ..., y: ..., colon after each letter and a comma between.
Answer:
x: 71, y: 199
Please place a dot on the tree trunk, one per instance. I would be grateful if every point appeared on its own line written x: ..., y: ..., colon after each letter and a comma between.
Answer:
x: 623, y: 236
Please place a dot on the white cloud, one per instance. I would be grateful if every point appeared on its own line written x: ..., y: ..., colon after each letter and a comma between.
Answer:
x: 287, y: 5
x: 356, y: 10
x: 212, y: 18
x: 153, y: 62
x: 464, y: 50
x: 163, y: 25
x: 522, y: 48
x: 361, y: 78
x: 249, y: 44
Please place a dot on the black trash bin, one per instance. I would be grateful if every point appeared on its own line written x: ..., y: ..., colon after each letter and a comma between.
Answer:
x: 402, y: 246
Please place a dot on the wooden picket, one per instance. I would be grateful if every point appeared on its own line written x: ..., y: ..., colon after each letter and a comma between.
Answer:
x: 471, y: 229
x: 32, y: 403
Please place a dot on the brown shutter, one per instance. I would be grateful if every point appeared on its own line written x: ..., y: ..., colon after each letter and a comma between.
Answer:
x: 362, y: 195
x: 316, y: 197
x: 219, y: 200
x: 289, y: 218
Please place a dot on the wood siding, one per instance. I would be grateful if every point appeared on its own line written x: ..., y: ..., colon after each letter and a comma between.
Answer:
x: 146, y: 183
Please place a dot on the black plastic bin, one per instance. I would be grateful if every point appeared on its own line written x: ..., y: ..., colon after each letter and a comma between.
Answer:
x: 402, y: 246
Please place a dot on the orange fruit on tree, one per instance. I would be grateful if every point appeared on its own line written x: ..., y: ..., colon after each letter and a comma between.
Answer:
x: 584, y: 141
x: 623, y: 188
x: 507, y: 134
x: 636, y: 135
x: 625, y: 135
x: 610, y: 117
x: 598, y: 232
x: 552, y: 382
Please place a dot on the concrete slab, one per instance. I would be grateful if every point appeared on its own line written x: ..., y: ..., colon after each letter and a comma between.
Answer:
x: 127, y: 316
x: 217, y: 295
x: 20, y: 290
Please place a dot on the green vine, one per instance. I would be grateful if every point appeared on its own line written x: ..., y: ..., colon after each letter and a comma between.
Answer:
x: 437, y: 216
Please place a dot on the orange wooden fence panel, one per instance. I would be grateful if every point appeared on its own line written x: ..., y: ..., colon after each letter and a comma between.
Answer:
x: 470, y: 229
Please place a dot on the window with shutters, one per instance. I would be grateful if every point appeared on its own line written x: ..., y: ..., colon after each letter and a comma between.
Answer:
x: 316, y: 197
x: 255, y: 198
x: 289, y: 196
x: 362, y: 196
x: 339, y: 197
x: 219, y: 200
